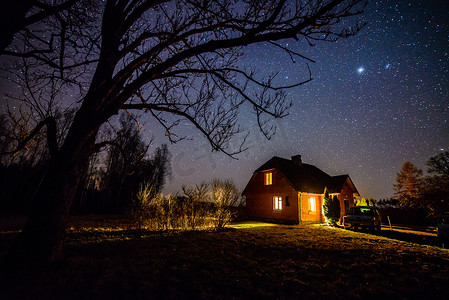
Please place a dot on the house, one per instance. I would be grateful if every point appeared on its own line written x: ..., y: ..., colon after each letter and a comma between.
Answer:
x: 290, y: 191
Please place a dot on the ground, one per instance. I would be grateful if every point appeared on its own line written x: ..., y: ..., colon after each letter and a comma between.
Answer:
x: 105, y: 260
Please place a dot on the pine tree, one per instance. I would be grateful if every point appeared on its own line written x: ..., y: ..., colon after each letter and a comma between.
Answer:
x: 331, y: 208
x: 406, y: 188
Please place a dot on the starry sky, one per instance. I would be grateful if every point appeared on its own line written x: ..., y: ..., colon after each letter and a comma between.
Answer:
x: 377, y: 99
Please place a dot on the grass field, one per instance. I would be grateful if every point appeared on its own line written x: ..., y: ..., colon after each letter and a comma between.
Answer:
x: 249, y: 260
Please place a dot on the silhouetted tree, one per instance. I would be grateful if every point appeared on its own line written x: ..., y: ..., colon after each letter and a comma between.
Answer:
x: 122, y: 161
x: 434, y: 188
x: 13, y: 130
x: 154, y: 169
x: 22, y: 171
x: 168, y: 58
x: 407, y: 185
x: 439, y: 164
x: 114, y: 175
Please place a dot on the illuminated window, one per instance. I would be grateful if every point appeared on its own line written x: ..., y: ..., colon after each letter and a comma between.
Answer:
x: 277, y: 203
x: 268, y: 178
x: 312, y: 202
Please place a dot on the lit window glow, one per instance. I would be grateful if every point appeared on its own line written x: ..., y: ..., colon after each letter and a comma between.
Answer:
x: 277, y: 203
x: 312, y: 202
x: 268, y: 178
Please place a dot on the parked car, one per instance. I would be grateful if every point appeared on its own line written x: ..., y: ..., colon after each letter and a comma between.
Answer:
x: 443, y: 226
x: 363, y: 217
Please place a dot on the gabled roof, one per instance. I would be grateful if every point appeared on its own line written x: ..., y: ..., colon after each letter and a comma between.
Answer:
x: 337, y: 183
x: 306, y: 178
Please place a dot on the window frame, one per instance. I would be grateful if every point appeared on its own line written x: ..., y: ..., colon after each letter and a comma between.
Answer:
x: 312, y: 208
x: 277, y: 203
x: 268, y: 178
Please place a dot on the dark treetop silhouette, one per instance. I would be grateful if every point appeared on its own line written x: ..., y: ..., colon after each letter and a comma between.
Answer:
x: 175, y: 60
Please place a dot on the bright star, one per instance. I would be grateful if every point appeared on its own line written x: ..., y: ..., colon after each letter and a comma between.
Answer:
x: 360, y: 70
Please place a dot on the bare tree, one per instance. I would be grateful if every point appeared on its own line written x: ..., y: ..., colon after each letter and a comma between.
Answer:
x: 175, y: 60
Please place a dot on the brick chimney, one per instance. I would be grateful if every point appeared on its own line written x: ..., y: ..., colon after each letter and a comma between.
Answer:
x: 297, y: 160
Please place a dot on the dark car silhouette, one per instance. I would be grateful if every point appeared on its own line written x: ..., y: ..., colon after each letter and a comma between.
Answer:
x: 363, y: 217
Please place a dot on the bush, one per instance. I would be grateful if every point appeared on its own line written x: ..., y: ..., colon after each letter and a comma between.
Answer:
x: 331, y: 209
x: 226, y: 197
x: 194, y: 207
x: 142, y: 204
x: 204, y: 205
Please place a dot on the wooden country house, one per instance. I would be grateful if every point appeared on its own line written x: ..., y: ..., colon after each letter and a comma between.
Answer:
x: 290, y: 191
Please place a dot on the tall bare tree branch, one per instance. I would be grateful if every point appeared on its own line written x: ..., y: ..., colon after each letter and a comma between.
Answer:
x: 178, y: 58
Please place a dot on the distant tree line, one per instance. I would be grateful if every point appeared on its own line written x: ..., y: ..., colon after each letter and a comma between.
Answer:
x: 418, y: 198
x: 387, y: 202
x: 427, y: 192
x: 113, y: 177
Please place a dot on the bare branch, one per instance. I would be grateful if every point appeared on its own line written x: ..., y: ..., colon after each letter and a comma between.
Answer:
x: 50, y: 122
x: 215, y: 146
x: 47, y: 11
x: 291, y: 53
x: 181, y: 57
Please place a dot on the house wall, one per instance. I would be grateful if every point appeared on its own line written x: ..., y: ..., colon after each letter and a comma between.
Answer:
x: 260, y: 198
x: 345, y: 194
x: 306, y: 214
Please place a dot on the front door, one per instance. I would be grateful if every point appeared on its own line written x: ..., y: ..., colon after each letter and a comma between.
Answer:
x: 346, y: 206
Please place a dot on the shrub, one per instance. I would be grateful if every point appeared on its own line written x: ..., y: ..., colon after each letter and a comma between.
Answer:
x: 194, y: 208
x: 142, y: 204
x: 226, y: 198
x: 205, y: 204
x: 331, y: 209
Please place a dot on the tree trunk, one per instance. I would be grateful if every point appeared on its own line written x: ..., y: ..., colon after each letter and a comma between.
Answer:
x: 41, y: 240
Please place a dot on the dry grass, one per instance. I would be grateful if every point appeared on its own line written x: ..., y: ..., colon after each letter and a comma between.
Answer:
x: 246, y: 261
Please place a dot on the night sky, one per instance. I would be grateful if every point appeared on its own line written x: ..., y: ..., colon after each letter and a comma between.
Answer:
x: 377, y: 100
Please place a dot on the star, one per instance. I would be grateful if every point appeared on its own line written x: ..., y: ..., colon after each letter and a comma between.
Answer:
x: 360, y: 70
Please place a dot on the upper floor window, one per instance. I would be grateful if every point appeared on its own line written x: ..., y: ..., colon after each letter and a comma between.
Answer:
x: 277, y: 203
x: 268, y: 178
x: 312, y: 204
